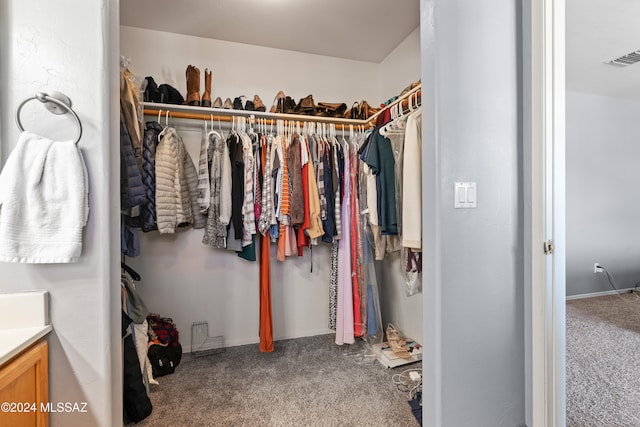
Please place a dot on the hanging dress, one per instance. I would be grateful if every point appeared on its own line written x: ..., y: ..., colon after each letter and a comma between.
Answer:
x: 266, y: 324
x: 344, y: 319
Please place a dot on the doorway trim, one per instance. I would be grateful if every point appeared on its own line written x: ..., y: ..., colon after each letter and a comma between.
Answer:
x: 544, y: 179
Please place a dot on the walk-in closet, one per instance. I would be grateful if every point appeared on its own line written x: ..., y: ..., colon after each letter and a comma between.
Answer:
x: 472, y: 318
x: 206, y: 280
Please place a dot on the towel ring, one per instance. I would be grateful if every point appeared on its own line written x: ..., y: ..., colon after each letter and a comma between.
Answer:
x: 57, y: 103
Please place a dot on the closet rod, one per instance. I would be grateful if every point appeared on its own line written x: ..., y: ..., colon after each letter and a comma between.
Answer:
x: 225, y: 115
x: 402, y: 98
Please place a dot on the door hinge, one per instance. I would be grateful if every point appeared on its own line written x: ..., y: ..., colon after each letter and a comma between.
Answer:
x: 548, y: 247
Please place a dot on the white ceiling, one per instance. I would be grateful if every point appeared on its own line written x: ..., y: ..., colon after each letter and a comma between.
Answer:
x: 365, y: 30
x: 598, y: 31
x: 368, y: 30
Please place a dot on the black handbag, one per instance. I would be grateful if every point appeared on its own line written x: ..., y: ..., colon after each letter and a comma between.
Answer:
x: 164, y: 359
x: 170, y: 95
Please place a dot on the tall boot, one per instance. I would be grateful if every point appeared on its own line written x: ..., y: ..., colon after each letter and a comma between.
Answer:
x: 206, y: 95
x: 193, y: 86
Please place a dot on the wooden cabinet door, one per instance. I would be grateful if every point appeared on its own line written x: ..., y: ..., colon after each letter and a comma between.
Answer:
x: 24, y: 385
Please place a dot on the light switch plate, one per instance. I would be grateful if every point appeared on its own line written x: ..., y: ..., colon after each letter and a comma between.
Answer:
x: 465, y: 195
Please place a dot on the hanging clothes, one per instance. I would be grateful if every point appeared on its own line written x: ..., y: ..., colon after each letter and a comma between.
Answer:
x: 266, y: 324
x: 337, y: 176
x: 303, y: 237
x: 219, y: 206
x: 267, y: 190
x: 148, y: 211
x: 333, y: 287
x: 132, y: 194
x: 351, y: 174
x: 380, y: 160
x: 328, y: 224
x: 176, y: 185
x: 236, y: 157
x: 284, y: 238
x: 132, y: 191
x: 314, y: 229
x: 248, y: 211
x: 294, y: 167
x: 412, y: 183
x: 344, y: 318
x: 131, y: 110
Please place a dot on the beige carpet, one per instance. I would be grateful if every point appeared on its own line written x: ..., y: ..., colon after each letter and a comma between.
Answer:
x: 603, y: 361
x: 304, y: 382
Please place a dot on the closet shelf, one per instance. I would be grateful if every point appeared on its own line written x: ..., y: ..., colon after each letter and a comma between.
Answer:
x: 204, y: 113
x: 402, y: 98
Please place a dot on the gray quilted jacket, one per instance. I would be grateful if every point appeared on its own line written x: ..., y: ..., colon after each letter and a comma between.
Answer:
x: 176, y: 185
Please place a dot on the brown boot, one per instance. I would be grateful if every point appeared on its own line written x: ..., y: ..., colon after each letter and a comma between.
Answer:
x: 193, y: 86
x: 206, y: 95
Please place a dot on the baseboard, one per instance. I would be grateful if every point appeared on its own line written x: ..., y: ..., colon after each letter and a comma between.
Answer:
x: 598, y: 294
x: 239, y: 342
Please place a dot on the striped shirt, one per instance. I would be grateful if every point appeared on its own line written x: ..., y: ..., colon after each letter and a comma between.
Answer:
x: 248, y: 215
x: 285, y: 195
x: 267, y: 190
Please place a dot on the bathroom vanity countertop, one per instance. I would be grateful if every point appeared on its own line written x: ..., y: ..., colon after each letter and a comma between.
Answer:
x: 24, y: 319
x: 14, y: 340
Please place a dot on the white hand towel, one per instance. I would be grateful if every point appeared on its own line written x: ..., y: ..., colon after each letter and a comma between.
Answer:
x: 43, y: 202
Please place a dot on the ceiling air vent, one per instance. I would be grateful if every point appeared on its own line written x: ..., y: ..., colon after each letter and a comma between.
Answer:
x: 628, y: 59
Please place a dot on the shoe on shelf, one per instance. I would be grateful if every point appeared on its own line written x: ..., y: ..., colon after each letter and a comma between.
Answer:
x: 237, y: 103
x: 227, y: 104
x: 305, y: 106
x: 249, y: 106
x: 193, y: 86
x: 289, y: 106
x: 278, y: 103
x: 217, y: 103
x: 206, y: 95
x: 258, y: 104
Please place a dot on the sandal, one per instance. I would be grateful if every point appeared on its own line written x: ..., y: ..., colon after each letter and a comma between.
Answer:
x: 398, y: 345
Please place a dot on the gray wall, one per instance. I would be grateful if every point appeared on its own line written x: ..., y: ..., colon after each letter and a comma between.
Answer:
x: 603, y: 201
x: 69, y: 46
x: 474, y: 274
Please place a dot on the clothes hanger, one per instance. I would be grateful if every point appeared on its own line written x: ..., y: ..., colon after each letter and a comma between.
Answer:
x: 219, y: 127
x: 134, y: 274
x: 166, y: 125
x: 213, y: 131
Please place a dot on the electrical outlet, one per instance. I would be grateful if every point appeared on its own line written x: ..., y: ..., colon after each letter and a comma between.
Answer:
x: 597, y: 268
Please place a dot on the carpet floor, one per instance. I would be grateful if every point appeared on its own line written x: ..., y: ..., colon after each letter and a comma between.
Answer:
x: 304, y: 382
x: 603, y: 361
